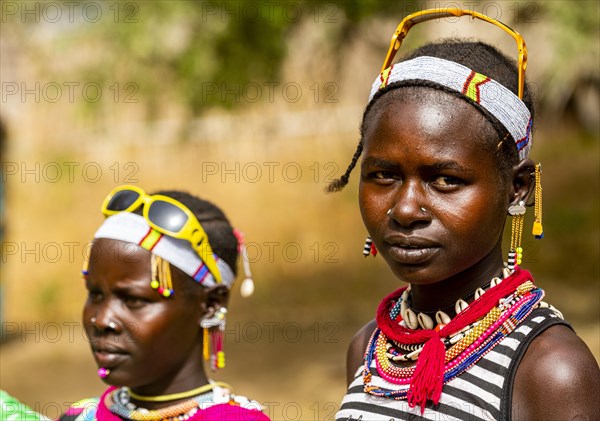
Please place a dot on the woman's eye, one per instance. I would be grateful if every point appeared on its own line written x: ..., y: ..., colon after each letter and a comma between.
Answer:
x: 445, y: 181
x: 94, y: 296
x: 135, y: 302
x: 383, y: 175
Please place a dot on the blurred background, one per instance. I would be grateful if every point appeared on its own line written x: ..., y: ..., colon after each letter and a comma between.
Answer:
x: 256, y: 106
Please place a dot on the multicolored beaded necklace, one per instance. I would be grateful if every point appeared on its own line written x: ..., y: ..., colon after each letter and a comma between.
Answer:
x: 448, y: 350
x: 118, y: 402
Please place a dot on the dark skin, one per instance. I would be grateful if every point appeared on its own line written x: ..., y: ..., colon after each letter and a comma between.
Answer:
x: 418, y: 155
x: 156, y: 346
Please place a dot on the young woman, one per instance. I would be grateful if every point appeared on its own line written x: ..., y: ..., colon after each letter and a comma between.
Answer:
x: 158, y: 281
x: 445, y: 140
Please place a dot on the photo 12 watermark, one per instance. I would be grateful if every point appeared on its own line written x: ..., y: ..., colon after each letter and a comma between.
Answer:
x: 269, y: 92
x: 66, y: 12
x: 53, y: 172
x: 269, y: 11
x: 253, y: 172
x: 73, y: 251
x: 69, y: 92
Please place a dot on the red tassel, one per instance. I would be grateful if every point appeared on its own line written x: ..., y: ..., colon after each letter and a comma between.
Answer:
x: 428, y: 379
x: 373, y: 249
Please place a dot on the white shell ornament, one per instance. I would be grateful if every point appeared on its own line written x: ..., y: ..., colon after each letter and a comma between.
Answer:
x: 461, y: 305
x: 442, y: 318
x: 478, y: 293
x: 425, y: 321
x: 410, y: 318
x: 247, y: 287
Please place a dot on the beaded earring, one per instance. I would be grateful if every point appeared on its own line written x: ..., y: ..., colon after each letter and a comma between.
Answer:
x: 538, y: 230
x: 369, y: 248
x: 515, y: 254
x: 247, y: 287
x: 161, y: 276
x: 212, y: 347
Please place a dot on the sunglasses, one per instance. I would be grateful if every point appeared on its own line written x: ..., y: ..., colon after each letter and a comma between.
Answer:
x: 429, y: 14
x: 167, y: 216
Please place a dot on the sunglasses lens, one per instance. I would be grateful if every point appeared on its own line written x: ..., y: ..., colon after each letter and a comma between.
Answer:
x: 122, y: 200
x: 167, y: 216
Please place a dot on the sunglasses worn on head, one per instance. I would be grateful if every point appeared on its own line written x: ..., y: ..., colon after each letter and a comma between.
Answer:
x: 429, y: 14
x: 167, y: 216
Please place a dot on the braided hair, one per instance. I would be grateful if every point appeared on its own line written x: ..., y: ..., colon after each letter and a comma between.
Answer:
x: 476, y: 55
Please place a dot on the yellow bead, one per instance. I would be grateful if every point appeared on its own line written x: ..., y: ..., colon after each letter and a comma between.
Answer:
x: 167, y: 292
x: 154, y: 284
x: 220, y: 359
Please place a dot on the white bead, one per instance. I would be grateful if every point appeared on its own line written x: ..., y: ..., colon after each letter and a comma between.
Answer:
x: 479, y: 292
x: 413, y: 355
x: 425, y: 321
x: 442, y: 318
x: 461, y: 305
x: 506, y: 272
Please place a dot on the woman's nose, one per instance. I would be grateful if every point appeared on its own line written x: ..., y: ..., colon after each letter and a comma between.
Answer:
x: 409, y: 205
x: 105, y: 319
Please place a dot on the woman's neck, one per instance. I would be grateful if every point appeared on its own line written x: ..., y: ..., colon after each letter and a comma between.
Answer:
x: 443, y: 295
x: 177, y: 385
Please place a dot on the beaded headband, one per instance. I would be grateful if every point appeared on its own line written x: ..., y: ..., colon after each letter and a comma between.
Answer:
x: 498, y: 100
x: 133, y: 228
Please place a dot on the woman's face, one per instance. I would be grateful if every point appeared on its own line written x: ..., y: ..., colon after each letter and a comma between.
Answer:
x: 427, y: 159
x: 157, y: 340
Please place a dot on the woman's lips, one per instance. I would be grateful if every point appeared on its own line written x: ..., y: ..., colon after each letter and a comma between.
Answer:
x: 411, y: 250
x: 108, y: 356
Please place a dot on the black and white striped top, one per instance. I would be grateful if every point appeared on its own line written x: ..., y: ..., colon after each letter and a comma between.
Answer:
x: 484, y: 392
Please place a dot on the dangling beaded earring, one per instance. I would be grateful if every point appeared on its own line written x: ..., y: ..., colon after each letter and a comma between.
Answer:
x: 538, y: 230
x: 215, y: 325
x: 161, y: 276
x: 247, y: 287
x: 515, y: 254
x: 369, y: 248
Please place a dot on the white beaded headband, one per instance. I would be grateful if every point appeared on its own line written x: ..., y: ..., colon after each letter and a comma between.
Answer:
x: 133, y: 228
x: 498, y: 100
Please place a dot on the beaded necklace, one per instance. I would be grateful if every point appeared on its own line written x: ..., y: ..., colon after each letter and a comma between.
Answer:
x: 118, y: 402
x: 448, y: 350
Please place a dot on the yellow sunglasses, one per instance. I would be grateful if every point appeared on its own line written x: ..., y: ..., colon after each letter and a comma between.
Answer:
x: 429, y: 14
x: 167, y: 216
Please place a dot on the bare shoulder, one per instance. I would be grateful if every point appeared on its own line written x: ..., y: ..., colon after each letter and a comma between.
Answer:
x: 356, y: 350
x: 557, y: 379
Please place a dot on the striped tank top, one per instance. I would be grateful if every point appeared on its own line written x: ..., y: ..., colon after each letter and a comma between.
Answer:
x: 483, y: 392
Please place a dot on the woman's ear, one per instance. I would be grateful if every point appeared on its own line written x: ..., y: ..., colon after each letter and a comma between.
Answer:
x: 523, y: 181
x: 216, y: 297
